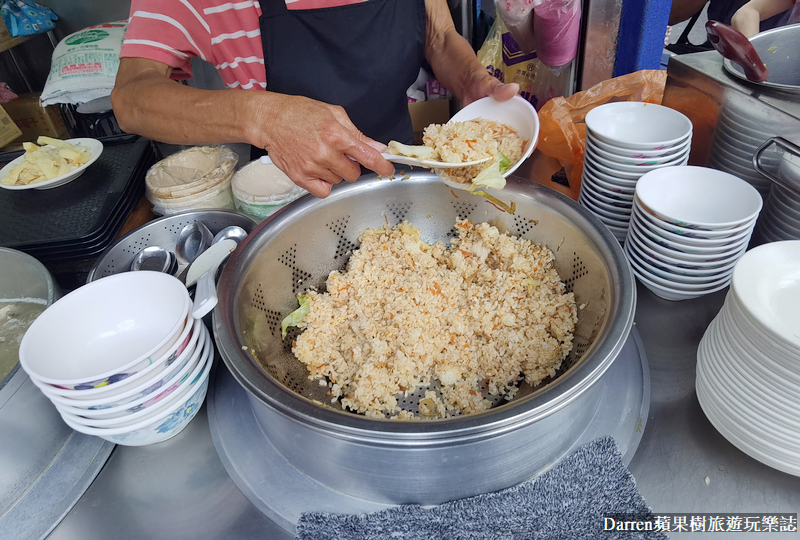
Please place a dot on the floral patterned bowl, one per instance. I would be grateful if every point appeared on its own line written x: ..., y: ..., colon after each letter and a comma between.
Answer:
x: 106, y: 330
x: 156, y: 392
x: 140, y: 384
x: 164, y: 425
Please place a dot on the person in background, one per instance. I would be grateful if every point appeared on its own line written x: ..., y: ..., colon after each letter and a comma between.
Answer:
x: 747, y: 18
x: 319, y: 84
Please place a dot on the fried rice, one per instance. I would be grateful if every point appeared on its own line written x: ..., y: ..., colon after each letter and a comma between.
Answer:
x: 457, y: 142
x: 465, y: 322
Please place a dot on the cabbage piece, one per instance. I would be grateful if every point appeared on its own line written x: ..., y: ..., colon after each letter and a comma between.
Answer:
x: 294, y: 318
x: 505, y: 163
x: 419, y: 152
x: 490, y: 177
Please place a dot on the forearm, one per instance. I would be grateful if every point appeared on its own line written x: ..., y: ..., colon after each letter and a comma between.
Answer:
x: 747, y: 18
x: 450, y: 55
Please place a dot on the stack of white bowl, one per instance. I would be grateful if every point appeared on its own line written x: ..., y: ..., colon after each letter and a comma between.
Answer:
x: 122, y: 358
x: 748, y: 362
x: 624, y: 141
x: 690, y: 225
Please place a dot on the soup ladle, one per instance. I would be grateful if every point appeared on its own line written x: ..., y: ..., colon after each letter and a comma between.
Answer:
x: 155, y: 258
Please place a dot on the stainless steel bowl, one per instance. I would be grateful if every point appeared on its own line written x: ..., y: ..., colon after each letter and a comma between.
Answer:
x: 425, y: 462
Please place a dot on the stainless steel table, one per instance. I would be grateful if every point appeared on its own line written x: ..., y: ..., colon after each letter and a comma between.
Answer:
x: 179, y: 488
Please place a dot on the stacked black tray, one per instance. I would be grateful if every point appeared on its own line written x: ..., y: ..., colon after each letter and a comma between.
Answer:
x: 79, y: 219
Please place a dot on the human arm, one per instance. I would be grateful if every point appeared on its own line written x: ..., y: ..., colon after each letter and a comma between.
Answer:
x: 747, y: 18
x: 454, y: 62
x: 314, y: 143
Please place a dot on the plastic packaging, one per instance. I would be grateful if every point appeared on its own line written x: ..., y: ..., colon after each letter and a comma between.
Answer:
x: 260, y: 188
x: 198, y: 177
x: 503, y: 59
x: 84, y: 65
x: 517, y: 16
x: 26, y: 18
x: 556, y: 31
x: 563, y: 129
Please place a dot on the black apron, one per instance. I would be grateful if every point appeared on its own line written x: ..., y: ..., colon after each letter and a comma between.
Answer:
x: 361, y: 56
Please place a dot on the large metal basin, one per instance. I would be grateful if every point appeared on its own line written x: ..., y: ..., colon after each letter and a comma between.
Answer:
x: 425, y: 462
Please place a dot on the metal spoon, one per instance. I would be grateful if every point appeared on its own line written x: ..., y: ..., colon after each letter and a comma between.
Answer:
x: 428, y: 164
x: 193, y: 240
x: 205, y: 295
x: 155, y: 258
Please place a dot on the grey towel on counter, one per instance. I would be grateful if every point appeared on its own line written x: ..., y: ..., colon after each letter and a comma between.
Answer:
x: 566, y: 502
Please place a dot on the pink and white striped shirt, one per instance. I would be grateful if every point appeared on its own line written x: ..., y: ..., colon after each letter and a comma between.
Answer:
x: 224, y: 33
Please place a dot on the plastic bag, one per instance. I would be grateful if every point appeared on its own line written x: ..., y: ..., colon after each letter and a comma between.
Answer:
x: 84, y: 65
x: 503, y: 59
x: 549, y: 27
x: 25, y: 18
x: 562, y: 133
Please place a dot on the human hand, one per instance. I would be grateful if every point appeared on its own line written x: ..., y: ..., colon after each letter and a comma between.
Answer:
x: 484, y: 85
x: 316, y: 144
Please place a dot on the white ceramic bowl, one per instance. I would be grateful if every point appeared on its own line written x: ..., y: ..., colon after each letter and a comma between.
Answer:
x: 641, y: 153
x: 667, y: 293
x: 698, y: 197
x: 127, y: 418
x: 161, y: 427
x: 142, y: 383
x: 626, y: 181
x: 676, y: 259
x: 106, y: 330
x: 95, y: 149
x: 140, y: 402
x: 636, y: 125
x: 760, y: 337
x: 716, y: 234
x: 678, y: 279
x: 675, y: 266
x: 715, y: 245
x: 767, y: 284
x: 593, y: 147
x: 613, y: 218
x: 631, y: 164
x: 609, y: 188
x: 608, y: 201
x: 670, y: 283
x: 627, y: 172
x: 690, y: 254
x: 516, y: 112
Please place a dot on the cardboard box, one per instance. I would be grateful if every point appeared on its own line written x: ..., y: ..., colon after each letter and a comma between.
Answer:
x: 34, y: 120
x: 6, y: 41
x: 8, y: 129
x: 425, y: 113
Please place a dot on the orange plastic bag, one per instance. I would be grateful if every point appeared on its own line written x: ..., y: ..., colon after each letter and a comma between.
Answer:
x: 562, y: 134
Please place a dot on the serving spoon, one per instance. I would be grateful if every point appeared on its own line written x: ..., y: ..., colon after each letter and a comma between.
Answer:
x: 155, y: 258
x: 429, y: 164
x: 193, y: 240
x: 205, y: 295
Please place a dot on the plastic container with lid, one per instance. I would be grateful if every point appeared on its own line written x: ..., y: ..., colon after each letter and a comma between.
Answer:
x: 260, y: 188
x: 196, y: 178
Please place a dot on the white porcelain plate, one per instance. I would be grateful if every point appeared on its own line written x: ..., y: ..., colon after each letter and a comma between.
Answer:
x: 95, y: 147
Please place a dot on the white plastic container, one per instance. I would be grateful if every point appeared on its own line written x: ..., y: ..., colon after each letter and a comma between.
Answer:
x: 260, y: 188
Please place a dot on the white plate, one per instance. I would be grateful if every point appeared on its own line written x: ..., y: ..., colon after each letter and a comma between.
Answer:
x: 516, y: 112
x: 767, y: 283
x: 95, y: 148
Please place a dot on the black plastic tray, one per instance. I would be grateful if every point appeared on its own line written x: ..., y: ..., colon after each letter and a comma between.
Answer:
x: 78, y: 218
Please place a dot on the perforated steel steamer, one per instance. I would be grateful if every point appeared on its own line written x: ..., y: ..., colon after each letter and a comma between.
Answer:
x: 426, y: 461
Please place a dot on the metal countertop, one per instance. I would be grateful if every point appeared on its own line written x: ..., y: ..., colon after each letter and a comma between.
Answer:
x: 179, y: 488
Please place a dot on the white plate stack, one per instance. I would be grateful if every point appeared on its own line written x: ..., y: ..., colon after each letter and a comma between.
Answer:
x: 736, y: 138
x: 748, y: 362
x: 623, y: 142
x: 780, y: 219
x: 689, y: 227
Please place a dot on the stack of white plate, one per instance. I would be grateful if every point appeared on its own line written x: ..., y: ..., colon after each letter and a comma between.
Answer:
x: 748, y: 362
x: 689, y: 227
x: 624, y: 141
x: 780, y: 219
x: 737, y: 137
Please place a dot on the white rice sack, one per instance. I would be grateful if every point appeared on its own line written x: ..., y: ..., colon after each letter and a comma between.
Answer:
x: 84, y: 65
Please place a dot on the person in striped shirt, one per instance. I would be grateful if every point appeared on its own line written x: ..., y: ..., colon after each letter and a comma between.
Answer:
x: 319, y: 84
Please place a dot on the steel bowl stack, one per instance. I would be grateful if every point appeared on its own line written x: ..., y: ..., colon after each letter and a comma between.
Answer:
x: 421, y: 461
x: 748, y: 362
